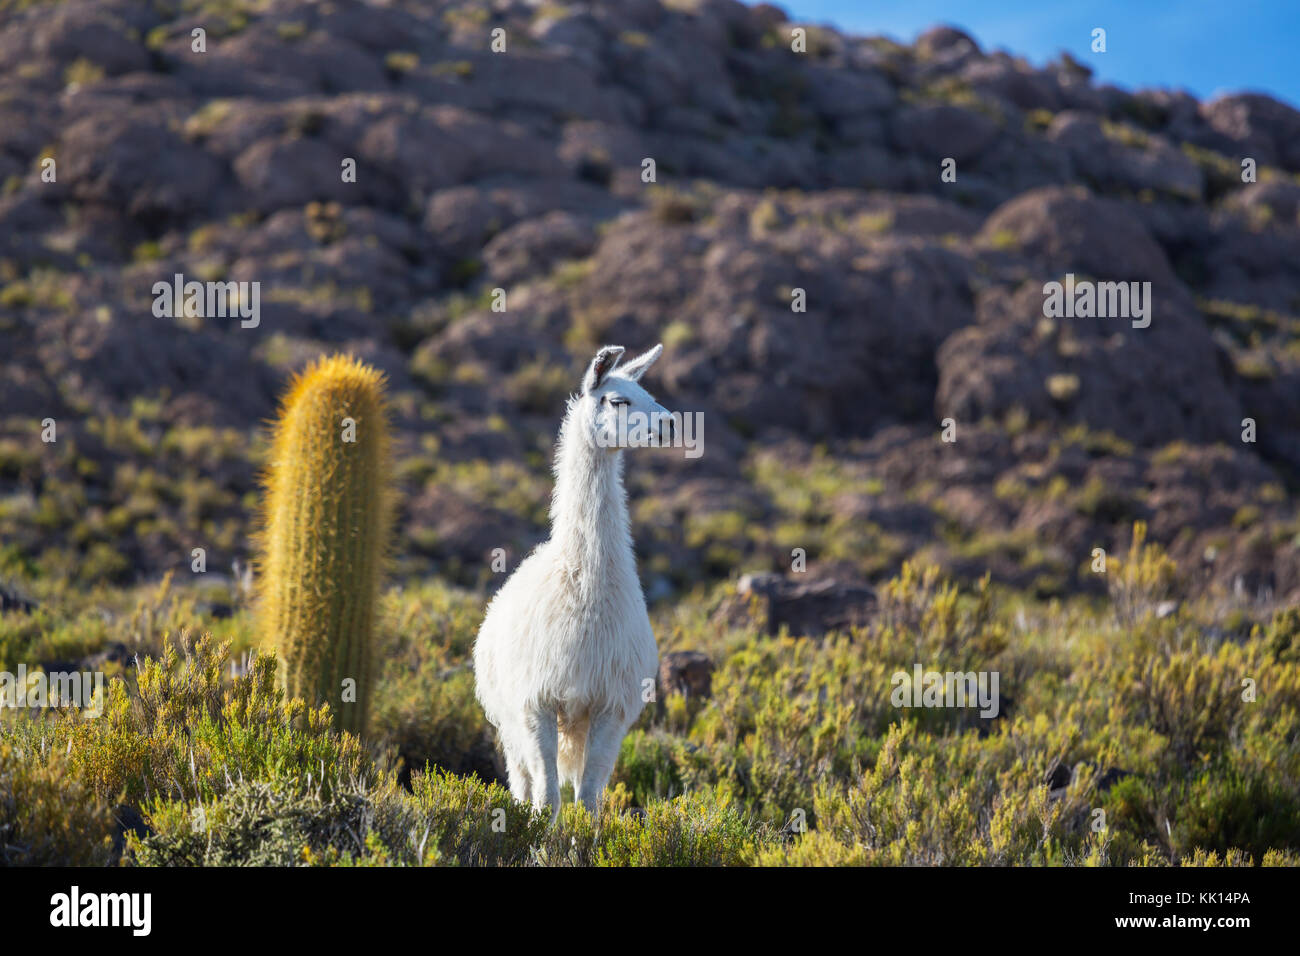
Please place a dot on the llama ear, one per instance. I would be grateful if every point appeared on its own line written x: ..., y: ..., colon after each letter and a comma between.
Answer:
x: 601, y: 366
x: 639, y: 365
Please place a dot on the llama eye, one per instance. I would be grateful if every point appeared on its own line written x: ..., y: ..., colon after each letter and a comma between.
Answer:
x: 615, y: 401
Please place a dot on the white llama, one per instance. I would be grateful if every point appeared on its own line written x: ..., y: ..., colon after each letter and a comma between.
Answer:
x: 564, y: 652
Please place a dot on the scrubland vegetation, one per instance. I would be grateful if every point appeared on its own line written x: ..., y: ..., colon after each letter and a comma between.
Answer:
x: 798, y: 758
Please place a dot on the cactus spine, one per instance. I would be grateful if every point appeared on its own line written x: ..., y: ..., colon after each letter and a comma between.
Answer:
x: 324, y: 539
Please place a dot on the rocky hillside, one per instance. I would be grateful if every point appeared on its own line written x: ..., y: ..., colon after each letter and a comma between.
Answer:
x: 525, y: 171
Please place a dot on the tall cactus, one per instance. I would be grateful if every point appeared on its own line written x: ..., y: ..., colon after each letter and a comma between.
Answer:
x: 325, y: 534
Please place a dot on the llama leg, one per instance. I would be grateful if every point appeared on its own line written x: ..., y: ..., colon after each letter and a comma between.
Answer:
x: 520, y: 785
x: 603, y: 740
x: 543, y: 741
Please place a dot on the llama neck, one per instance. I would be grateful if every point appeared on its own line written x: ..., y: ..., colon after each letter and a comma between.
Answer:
x: 589, y: 517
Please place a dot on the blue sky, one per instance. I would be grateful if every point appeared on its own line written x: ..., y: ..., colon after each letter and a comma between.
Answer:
x: 1202, y: 46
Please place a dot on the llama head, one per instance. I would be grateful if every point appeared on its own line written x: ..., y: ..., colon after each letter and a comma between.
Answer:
x: 619, y: 413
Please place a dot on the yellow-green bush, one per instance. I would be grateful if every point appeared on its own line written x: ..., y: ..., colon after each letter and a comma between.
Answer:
x: 184, y: 732
x: 428, y: 710
x: 47, y: 816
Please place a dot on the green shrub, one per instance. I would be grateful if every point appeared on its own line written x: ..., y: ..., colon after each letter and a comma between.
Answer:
x: 702, y: 828
x: 1141, y: 581
x: 47, y: 816
x: 185, y: 733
